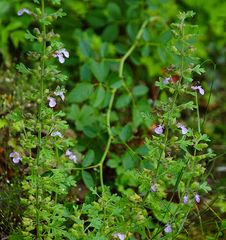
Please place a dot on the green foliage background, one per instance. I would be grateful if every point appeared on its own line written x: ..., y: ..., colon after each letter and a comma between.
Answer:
x: 97, y: 33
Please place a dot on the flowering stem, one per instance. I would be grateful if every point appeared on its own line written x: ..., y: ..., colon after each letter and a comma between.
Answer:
x: 200, y: 220
x: 197, y: 108
x: 42, y: 74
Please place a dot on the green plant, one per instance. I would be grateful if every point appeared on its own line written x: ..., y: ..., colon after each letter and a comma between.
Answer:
x: 158, y: 180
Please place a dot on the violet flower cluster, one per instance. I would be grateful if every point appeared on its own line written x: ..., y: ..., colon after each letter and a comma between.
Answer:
x: 22, y: 11
x: 71, y: 156
x: 61, y: 54
x: 52, y: 100
x: 15, y: 157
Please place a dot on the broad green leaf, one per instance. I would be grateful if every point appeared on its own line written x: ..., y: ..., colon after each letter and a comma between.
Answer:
x: 165, y: 37
x: 89, y: 158
x: 132, y: 29
x: 113, y: 163
x: 88, y: 179
x: 123, y: 101
x: 126, y: 133
x: 96, y: 19
x: 80, y: 93
x: 84, y: 48
x: 99, y: 97
x: 99, y: 70
x: 140, y: 90
x: 114, y: 11
x: 17, y: 36
x: 129, y: 160
x: 85, y: 73
x: 110, y: 33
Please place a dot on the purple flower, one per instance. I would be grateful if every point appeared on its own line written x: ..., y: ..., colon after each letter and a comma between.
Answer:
x: 159, y: 129
x: 61, y: 54
x: 183, y: 128
x: 22, y: 11
x: 153, y: 188
x: 185, y: 199
x: 15, y: 156
x: 52, y: 102
x: 197, y: 198
x: 120, y: 236
x: 71, y: 156
x: 166, y: 80
x: 201, y: 90
x: 59, y: 93
x: 68, y: 153
x: 56, y: 134
x: 168, y: 228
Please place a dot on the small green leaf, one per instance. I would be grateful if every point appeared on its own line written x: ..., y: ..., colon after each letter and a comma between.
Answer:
x: 29, y: 36
x: 99, y: 97
x: 88, y: 179
x: 3, y: 123
x: 99, y: 70
x: 89, y: 158
x: 198, y: 69
x: 223, y: 225
x: 140, y: 90
x: 80, y: 93
x: 22, y: 68
x: 201, y: 146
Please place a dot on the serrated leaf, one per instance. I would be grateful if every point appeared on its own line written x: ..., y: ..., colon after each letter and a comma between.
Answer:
x: 88, y: 179
x: 198, y: 69
x: 89, y: 158
x: 29, y: 36
x: 22, y: 68
x: 201, y: 146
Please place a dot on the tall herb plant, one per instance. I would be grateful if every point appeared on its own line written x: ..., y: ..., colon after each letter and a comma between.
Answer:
x: 43, y: 149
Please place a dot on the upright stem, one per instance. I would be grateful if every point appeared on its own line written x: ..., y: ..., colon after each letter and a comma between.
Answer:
x: 42, y: 75
x: 197, y: 108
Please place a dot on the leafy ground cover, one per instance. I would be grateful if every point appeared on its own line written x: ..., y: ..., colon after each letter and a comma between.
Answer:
x: 112, y: 120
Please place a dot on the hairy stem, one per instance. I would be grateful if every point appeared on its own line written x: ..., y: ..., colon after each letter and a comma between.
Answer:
x: 42, y: 74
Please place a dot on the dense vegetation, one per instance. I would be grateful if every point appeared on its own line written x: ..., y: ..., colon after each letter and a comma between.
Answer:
x: 112, y: 119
